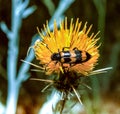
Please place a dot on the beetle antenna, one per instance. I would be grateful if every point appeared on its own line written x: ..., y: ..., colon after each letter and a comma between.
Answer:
x: 48, y: 48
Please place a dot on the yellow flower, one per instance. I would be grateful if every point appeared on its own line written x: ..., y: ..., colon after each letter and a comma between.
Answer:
x: 69, y: 38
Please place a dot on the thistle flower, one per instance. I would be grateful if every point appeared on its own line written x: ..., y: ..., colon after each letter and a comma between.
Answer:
x: 71, y: 37
x: 70, y: 52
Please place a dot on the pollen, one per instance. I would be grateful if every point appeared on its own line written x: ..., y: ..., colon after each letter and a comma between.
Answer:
x: 67, y: 37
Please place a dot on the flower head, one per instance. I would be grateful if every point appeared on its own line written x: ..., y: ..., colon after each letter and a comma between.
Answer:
x: 67, y: 38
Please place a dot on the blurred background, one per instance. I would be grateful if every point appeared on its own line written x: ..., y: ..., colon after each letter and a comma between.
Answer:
x: 105, y: 16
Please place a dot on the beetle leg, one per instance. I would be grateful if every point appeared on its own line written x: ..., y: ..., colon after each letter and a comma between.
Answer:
x: 63, y: 49
x: 75, y: 48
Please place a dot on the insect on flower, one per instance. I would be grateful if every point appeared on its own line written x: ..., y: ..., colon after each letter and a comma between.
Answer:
x: 70, y: 52
x: 71, y: 48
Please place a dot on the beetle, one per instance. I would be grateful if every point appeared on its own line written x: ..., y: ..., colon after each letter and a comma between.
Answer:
x: 74, y: 56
